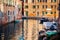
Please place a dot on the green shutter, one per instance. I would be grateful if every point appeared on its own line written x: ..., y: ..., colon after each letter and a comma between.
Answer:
x: 46, y: 12
x: 51, y: 12
x: 43, y: 12
x: 26, y: 13
x: 54, y: 0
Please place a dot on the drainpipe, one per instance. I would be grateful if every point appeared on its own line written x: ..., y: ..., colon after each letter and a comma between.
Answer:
x: 22, y: 20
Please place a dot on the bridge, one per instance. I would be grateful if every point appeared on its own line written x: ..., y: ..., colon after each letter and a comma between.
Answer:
x: 35, y: 18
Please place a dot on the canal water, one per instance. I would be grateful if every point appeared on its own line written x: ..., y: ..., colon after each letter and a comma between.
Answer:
x: 10, y: 30
x: 27, y: 29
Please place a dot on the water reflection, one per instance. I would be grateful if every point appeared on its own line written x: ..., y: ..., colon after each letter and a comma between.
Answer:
x: 26, y: 30
x: 10, y: 30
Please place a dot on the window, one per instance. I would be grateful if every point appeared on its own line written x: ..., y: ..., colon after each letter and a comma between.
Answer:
x: 32, y: 1
x: 42, y: 6
x: 54, y: 0
x: 39, y: 0
x: 42, y: 12
x: 44, y: 0
x: 54, y: 6
x: 55, y: 12
x: 33, y: 11
x: 51, y: 6
x: 26, y: 1
x: 46, y: 6
x: 8, y: 12
x: 37, y: 13
x: 10, y: 2
x: 26, y: 13
x: 26, y: 6
x: 46, y: 12
x: 51, y: 0
x: 51, y: 12
x: 37, y: 6
x: 34, y: 6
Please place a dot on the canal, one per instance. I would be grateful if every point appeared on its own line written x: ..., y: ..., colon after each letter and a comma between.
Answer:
x: 27, y: 29
x: 10, y: 30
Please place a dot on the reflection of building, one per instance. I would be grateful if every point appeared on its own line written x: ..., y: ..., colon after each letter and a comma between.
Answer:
x: 40, y: 8
x: 8, y: 9
x: 31, y: 29
x: 7, y: 13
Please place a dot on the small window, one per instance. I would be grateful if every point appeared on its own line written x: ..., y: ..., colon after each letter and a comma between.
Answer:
x: 54, y: 0
x: 54, y: 6
x: 46, y: 6
x: 26, y: 1
x: 55, y: 12
x: 9, y: 13
x: 51, y: 6
x: 37, y: 13
x: 45, y: 0
x: 37, y: 6
x: 51, y: 12
x: 46, y: 12
x: 42, y: 12
x: 32, y: 1
x: 26, y: 6
x: 34, y: 6
x: 26, y: 13
x: 39, y: 0
x: 43, y: 6
x: 33, y: 11
x: 51, y: 0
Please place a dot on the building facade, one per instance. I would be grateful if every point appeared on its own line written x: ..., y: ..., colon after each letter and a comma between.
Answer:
x: 11, y: 10
x: 41, y: 8
x: 38, y: 8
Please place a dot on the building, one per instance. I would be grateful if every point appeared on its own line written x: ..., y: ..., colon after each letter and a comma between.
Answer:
x: 11, y: 10
x: 41, y: 8
x: 38, y: 8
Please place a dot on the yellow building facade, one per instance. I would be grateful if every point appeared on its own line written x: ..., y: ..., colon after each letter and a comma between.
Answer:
x: 38, y: 8
x: 41, y: 8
